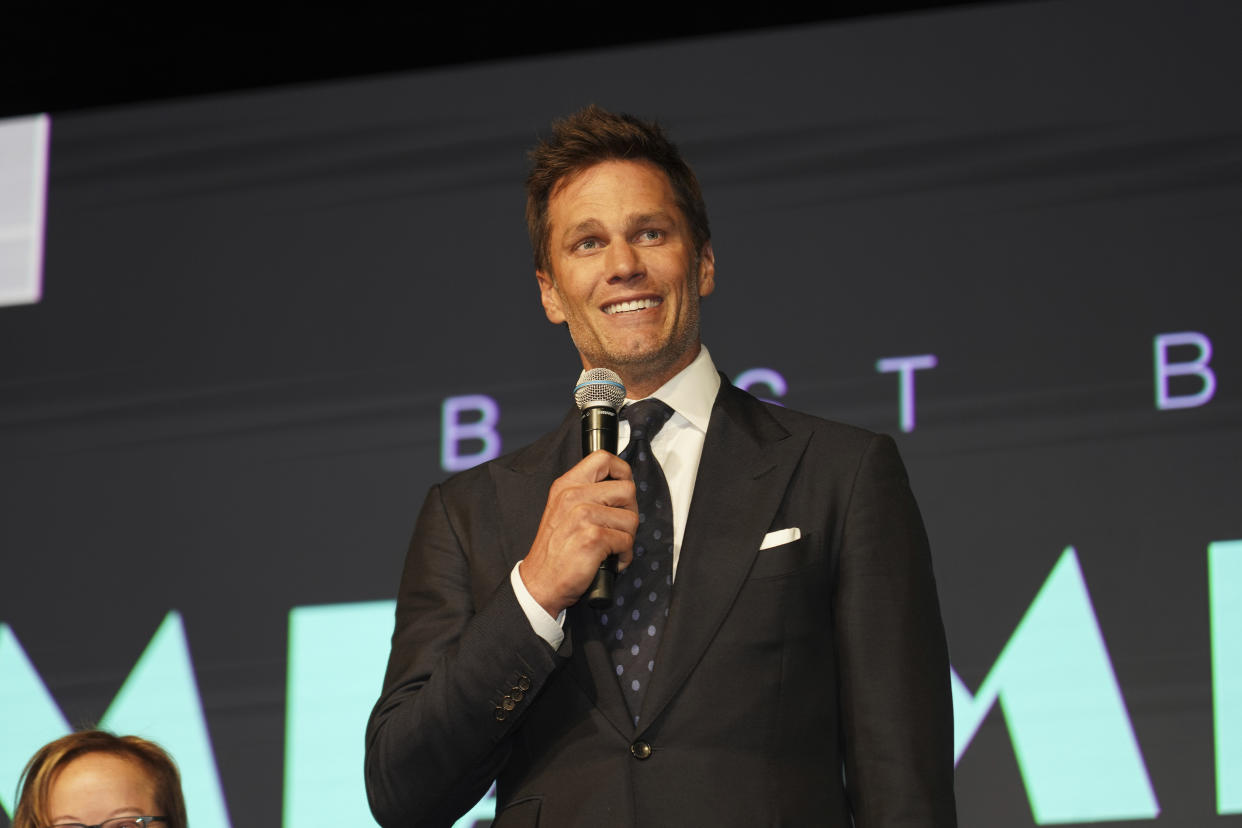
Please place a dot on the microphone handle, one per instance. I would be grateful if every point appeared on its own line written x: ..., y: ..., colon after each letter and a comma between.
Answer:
x: 599, y: 431
x: 599, y: 596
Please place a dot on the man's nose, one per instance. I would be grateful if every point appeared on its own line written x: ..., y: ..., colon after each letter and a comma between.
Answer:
x: 624, y: 262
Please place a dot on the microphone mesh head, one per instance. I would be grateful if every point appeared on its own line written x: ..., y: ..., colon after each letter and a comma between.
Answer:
x: 599, y: 386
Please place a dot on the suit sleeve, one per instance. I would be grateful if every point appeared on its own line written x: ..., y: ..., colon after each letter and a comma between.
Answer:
x: 896, y: 705
x: 460, y: 677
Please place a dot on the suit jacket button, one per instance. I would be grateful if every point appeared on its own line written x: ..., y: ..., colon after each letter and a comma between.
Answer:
x: 508, y: 703
x: 501, y: 714
x: 523, y: 683
x: 640, y: 750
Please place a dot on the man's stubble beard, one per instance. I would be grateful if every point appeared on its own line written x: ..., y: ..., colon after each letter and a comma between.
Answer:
x: 658, y: 363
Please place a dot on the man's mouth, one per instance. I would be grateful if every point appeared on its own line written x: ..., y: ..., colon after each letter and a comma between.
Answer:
x: 632, y: 305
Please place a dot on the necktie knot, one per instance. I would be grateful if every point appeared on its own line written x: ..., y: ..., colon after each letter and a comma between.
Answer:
x: 646, y: 418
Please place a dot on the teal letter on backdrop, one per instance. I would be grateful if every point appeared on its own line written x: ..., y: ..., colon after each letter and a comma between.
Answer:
x: 1225, y: 595
x: 337, y: 654
x: 1072, y: 736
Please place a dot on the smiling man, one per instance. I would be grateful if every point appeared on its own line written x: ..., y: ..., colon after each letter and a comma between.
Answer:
x: 774, y: 654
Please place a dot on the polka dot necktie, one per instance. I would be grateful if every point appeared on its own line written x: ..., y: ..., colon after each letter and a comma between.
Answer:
x: 633, y: 625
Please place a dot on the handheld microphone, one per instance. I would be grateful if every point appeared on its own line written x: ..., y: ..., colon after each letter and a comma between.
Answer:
x: 599, y: 394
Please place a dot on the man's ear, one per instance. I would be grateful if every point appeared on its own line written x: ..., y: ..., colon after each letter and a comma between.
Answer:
x: 707, y: 270
x: 550, y: 298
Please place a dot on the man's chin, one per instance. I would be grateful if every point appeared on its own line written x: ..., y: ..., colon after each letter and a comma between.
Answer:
x: 647, y: 363
x: 635, y: 356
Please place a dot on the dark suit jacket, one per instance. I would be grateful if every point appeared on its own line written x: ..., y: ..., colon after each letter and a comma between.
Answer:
x: 798, y: 685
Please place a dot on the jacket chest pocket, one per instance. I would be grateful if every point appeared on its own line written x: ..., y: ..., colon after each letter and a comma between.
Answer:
x: 778, y: 561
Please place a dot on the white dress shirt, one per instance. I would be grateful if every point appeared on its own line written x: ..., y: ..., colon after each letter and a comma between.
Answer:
x: 679, y: 446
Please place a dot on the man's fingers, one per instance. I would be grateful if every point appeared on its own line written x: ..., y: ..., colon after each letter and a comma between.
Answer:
x: 625, y: 555
x: 599, y: 465
x: 619, y: 543
x: 620, y: 494
x: 620, y: 518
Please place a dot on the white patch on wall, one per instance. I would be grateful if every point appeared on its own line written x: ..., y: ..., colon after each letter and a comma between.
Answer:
x: 23, y: 185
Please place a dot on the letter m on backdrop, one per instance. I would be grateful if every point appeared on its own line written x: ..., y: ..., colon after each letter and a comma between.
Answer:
x: 1071, y: 734
x: 159, y: 700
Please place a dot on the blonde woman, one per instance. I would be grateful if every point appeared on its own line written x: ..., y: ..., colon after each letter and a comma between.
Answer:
x: 93, y: 779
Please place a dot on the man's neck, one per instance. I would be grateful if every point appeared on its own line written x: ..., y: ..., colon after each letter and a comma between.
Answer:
x: 692, y: 392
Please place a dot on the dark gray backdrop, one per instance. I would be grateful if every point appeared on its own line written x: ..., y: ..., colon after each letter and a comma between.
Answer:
x: 228, y: 400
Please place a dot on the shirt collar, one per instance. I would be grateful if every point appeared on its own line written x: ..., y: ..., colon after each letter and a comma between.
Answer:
x: 692, y: 391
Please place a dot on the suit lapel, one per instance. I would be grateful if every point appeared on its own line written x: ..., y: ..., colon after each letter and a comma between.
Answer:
x: 522, y: 485
x: 748, y: 459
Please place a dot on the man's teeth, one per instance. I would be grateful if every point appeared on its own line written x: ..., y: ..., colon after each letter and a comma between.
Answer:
x: 633, y: 305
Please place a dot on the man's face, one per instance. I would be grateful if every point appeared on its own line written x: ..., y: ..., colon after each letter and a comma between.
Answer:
x: 624, y: 274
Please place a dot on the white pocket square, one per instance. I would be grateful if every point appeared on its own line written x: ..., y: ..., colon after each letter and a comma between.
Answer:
x: 780, y: 537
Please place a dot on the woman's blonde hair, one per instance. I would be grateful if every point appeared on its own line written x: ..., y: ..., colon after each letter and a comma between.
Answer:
x: 36, y: 780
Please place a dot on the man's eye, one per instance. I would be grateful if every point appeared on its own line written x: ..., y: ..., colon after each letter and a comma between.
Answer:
x: 651, y: 235
x: 588, y: 244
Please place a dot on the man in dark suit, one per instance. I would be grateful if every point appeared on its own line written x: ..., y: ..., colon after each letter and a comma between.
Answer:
x: 775, y: 654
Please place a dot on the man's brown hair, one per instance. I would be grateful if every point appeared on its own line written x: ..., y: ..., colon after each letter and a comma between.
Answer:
x: 590, y: 136
x: 36, y: 779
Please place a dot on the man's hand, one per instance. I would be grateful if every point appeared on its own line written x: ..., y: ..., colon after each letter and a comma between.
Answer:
x: 591, y: 513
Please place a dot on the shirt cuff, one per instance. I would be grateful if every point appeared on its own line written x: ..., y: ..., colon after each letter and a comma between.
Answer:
x: 551, y: 630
